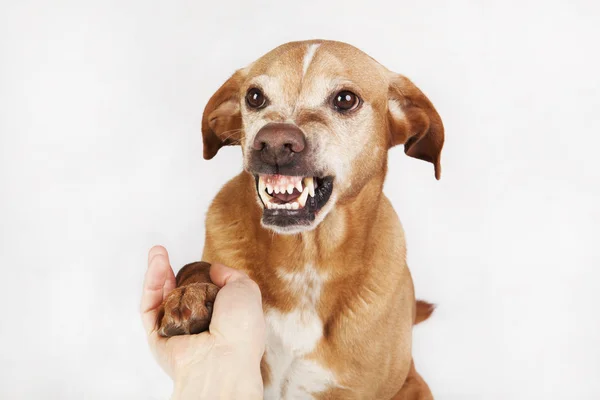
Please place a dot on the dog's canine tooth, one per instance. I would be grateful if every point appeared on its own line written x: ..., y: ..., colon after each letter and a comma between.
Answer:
x: 310, y: 184
x: 266, y: 199
x: 261, y: 184
x: 303, y: 197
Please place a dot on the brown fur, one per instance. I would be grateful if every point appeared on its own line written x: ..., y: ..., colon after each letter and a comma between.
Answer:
x: 367, y: 302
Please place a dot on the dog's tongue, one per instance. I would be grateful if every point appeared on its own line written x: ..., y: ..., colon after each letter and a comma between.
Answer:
x: 286, y: 197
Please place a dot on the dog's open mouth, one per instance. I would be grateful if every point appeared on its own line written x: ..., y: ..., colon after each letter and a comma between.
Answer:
x: 292, y: 200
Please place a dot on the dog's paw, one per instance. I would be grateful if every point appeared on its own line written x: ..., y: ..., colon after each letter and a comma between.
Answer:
x: 187, y: 310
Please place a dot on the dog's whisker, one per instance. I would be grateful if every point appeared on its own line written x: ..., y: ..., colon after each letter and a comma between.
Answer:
x: 230, y: 133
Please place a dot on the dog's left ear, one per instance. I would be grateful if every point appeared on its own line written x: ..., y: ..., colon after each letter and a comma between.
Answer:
x: 222, y: 119
x: 414, y: 122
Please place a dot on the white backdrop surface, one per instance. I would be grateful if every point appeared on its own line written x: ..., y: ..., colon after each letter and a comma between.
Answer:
x: 100, y: 158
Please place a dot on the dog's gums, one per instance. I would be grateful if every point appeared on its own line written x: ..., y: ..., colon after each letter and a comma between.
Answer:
x: 292, y: 200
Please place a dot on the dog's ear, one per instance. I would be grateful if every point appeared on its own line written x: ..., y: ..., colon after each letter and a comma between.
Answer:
x: 414, y: 122
x: 222, y: 119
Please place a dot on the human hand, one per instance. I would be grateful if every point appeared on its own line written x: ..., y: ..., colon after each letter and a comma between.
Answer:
x: 223, y: 362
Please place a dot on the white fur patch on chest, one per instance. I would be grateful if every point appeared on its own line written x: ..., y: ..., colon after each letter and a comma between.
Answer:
x: 294, y: 335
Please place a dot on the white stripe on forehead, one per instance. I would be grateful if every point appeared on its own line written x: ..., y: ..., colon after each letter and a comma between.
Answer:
x: 310, y: 53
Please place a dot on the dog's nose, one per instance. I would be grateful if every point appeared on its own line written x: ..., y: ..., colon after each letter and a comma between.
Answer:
x: 278, y: 142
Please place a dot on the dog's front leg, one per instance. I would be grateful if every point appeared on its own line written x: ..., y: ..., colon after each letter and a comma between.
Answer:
x: 188, y: 309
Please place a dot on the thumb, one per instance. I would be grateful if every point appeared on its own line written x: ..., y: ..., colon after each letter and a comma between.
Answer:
x: 237, y: 315
x: 158, y: 282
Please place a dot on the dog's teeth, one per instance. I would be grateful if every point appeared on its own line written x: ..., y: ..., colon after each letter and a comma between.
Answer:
x: 281, y: 206
x: 290, y: 188
x: 269, y: 189
x: 303, y: 197
x: 295, y: 205
x: 288, y: 206
x: 310, y: 184
x: 261, y: 192
x: 299, y: 185
x: 261, y: 184
x: 276, y: 189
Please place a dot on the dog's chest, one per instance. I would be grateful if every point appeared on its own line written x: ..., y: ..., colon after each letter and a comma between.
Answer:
x: 292, y: 337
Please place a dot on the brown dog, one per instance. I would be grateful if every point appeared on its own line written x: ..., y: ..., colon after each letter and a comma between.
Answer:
x: 308, y: 221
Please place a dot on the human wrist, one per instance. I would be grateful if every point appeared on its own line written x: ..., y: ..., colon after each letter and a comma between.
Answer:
x: 233, y: 379
x: 187, y: 386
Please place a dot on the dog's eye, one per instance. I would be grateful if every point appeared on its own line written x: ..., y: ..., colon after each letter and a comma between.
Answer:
x: 255, y: 98
x: 346, y: 101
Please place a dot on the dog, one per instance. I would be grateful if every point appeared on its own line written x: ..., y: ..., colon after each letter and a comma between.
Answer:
x: 308, y: 221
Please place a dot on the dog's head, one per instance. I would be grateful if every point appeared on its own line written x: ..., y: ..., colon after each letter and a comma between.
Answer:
x: 315, y: 120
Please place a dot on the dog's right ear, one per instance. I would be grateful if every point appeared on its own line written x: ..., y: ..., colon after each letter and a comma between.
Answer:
x: 222, y: 119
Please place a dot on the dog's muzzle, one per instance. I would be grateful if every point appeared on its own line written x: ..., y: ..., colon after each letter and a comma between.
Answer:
x: 290, y: 189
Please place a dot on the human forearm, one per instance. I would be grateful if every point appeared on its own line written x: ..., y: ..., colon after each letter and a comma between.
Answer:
x: 235, y: 379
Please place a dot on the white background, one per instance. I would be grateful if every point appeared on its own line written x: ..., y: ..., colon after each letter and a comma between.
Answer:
x: 100, y: 156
